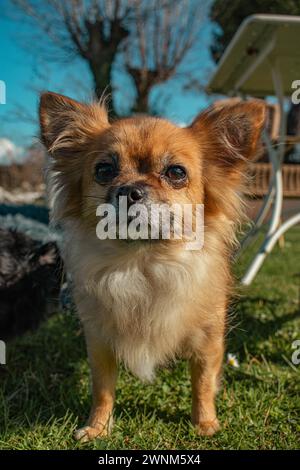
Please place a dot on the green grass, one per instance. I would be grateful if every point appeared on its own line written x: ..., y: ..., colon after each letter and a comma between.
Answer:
x: 44, y: 389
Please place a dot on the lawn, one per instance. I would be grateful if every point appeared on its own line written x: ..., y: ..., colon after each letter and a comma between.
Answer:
x: 44, y: 391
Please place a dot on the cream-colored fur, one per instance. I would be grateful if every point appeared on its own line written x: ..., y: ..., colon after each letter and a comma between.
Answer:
x: 141, y: 298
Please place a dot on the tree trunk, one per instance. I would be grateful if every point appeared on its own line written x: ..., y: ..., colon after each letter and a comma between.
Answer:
x: 144, y: 80
x: 142, y: 101
x: 101, y: 72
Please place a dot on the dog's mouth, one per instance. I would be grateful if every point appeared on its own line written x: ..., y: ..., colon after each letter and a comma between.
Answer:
x: 134, y: 229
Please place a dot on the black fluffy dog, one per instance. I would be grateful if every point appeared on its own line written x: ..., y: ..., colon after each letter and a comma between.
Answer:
x: 30, y: 279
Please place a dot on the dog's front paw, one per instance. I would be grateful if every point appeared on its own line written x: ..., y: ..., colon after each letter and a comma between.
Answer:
x: 88, y: 433
x: 208, y: 428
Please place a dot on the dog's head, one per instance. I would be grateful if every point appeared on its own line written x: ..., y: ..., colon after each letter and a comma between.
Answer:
x: 146, y: 160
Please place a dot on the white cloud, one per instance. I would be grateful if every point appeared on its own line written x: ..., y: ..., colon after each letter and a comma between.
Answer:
x: 10, y: 153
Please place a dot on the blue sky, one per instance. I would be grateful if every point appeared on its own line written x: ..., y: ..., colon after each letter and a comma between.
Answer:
x: 26, y: 73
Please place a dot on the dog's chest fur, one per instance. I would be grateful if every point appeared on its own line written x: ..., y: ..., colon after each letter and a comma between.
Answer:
x: 142, y: 302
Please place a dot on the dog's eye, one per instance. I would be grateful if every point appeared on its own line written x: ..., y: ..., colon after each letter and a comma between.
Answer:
x: 105, y: 172
x: 176, y: 173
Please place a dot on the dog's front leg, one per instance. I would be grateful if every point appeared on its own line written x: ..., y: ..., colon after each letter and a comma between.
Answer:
x: 205, y: 370
x: 104, y: 376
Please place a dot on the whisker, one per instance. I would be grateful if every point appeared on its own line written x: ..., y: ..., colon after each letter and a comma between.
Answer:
x: 93, y: 197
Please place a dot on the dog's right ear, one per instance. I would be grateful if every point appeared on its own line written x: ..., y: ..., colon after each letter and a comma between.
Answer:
x: 67, y: 130
x: 66, y: 123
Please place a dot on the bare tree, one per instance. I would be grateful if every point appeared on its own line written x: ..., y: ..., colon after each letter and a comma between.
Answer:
x: 92, y: 29
x: 161, y: 39
x: 154, y: 37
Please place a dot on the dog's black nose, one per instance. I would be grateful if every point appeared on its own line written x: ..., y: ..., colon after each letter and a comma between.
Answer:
x: 133, y: 193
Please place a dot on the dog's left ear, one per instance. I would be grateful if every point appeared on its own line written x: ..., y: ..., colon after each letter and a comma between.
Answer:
x: 229, y: 135
x: 67, y: 127
x: 66, y: 124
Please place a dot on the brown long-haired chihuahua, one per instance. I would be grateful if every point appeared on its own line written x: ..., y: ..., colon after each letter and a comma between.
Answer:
x: 145, y: 302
